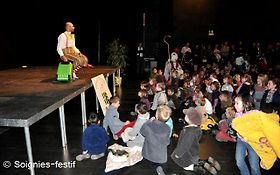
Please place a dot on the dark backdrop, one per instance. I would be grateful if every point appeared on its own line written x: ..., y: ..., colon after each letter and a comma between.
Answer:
x: 230, y: 20
x: 29, y: 29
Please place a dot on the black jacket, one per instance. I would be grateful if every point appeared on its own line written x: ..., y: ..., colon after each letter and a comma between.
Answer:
x: 268, y: 107
x: 187, y: 149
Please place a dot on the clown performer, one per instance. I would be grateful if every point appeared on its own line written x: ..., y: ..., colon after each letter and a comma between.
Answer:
x: 67, y: 50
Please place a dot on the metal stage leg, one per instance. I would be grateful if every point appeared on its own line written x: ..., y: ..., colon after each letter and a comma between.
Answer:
x: 84, y: 114
x: 114, y: 84
x: 107, y: 76
x: 97, y: 103
x: 29, y: 149
x: 62, y: 126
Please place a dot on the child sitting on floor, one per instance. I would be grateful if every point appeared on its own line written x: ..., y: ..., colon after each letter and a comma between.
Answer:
x: 157, y: 138
x: 226, y: 133
x: 160, y: 98
x: 186, y: 153
x: 95, y: 140
x: 132, y: 136
x: 143, y: 95
x: 112, y: 119
x: 143, y: 98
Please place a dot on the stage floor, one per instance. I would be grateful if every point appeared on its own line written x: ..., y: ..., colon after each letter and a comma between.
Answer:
x: 27, y: 95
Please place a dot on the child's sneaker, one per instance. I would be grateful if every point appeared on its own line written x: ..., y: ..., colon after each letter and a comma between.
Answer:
x: 160, y: 171
x: 133, y: 113
x: 115, y: 137
x: 181, y: 120
x: 82, y: 157
x: 210, y: 168
x: 199, y: 169
x: 214, y: 163
x: 97, y: 156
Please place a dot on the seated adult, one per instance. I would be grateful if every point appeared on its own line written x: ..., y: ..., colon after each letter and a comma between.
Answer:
x: 68, y: 51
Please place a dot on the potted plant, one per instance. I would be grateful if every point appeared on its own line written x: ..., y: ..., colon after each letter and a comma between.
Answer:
x: 117, y: 56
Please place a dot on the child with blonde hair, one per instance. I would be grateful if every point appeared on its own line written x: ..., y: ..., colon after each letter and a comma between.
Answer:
x: 226, y: 133
x: 157, y: 138
x: 259, y: 89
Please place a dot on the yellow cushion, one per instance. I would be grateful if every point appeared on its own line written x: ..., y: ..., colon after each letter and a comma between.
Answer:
x: 254, y: 125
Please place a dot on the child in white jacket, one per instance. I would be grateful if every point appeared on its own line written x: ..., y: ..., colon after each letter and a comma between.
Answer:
x: 132, y: 135
x: 160, y: 97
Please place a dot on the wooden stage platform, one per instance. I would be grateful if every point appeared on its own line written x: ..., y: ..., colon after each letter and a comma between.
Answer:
x: 29, y: 94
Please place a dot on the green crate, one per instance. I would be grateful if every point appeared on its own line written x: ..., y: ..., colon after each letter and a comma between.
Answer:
x: 64, y: 72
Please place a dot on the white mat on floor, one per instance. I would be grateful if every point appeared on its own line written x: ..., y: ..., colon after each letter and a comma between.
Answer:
x: 118, y: 162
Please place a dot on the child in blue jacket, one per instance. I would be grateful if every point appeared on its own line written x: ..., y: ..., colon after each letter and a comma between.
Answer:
x: 95, y: 140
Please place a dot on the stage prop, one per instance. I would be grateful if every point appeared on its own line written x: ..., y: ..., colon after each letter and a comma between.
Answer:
x: 102, y: 92
x: 64, y: 72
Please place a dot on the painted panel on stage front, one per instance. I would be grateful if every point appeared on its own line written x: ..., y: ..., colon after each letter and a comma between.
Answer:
x: 102, y: 92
